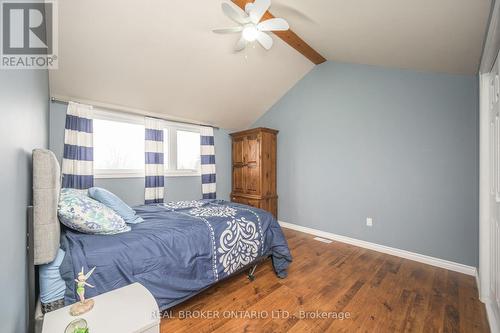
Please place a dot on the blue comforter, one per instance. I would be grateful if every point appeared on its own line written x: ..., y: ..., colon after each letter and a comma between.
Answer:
x: 181, y: 248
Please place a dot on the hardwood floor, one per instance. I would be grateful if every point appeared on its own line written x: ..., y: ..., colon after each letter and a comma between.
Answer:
x: 374, y: 292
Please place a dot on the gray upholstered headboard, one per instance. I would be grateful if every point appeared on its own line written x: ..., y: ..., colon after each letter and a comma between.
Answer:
x: 46, y: 187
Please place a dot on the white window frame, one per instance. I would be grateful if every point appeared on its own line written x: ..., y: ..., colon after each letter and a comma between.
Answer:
x: 172, y: 127
x: 171, y: 170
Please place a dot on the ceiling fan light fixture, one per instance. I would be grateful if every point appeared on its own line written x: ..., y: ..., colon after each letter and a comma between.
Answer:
x: 250, y: 33
x: 250, y: 23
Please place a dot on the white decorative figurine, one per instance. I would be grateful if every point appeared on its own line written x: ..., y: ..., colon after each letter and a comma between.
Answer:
x: 84, y: 305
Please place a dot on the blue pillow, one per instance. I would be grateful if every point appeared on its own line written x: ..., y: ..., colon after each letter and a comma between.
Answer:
x: 115, y: 203
x: 52, y: 286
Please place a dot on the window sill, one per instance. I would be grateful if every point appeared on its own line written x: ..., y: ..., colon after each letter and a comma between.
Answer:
x: 182, y: 174
x: 111, y: 175
x: 118, y: 175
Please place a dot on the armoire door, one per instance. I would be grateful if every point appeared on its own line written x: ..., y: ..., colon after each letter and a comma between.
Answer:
x: 239, y: 165
x: 252, y: 164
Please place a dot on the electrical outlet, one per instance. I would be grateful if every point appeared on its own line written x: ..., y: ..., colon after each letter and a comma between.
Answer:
x: 369, y: 221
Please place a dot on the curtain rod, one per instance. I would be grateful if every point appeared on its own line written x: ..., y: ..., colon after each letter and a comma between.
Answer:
x: 127, y: 110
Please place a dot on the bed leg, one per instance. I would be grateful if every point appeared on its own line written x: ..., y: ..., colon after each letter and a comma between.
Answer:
x: 251, y: 277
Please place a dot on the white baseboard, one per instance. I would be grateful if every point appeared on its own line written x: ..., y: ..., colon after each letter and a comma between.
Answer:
x: 450, y: 265
x: 478, y: 284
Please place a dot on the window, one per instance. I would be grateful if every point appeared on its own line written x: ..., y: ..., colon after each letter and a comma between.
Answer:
x: 188, y: 150
x: 182, y: 150
x: 119, y: 147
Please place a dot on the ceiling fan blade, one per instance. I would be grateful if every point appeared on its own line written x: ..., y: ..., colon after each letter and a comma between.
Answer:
x: 240, y: 45
x: 274, y: 24
x: 258, y: 9
x: 235, y: 13
x: 248, y: 7
x: 265, y: 40
x: 227, y: 30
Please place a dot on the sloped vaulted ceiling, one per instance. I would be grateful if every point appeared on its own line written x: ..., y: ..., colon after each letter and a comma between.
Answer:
x: 161, y: 57
x: 431, y: 35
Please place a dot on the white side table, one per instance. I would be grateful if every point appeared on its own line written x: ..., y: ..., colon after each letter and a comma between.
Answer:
x: 131, y: 309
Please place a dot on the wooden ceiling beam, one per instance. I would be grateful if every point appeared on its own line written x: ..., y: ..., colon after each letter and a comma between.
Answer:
x: 289, y: 37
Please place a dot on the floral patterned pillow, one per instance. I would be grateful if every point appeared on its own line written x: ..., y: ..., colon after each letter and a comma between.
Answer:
x: 81, y: 213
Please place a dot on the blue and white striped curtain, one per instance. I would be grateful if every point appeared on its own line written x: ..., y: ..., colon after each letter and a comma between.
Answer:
x: 208, y: 186
x: 78, y: 158
x: 154, y: 172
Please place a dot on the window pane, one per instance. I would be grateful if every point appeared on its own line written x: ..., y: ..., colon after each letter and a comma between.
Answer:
x: 118, y: 145
x: 188, y: 150
x: 166, y: 143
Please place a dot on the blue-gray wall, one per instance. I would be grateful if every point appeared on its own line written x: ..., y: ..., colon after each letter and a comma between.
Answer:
x: 399, y: 146
x: 24, y: 111
x: 131, y: 190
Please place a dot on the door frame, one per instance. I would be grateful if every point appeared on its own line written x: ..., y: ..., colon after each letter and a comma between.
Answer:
x: 488, y: 59
x: 484, y: 188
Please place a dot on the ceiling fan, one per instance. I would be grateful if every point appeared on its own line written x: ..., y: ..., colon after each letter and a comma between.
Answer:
x: 249, y: 24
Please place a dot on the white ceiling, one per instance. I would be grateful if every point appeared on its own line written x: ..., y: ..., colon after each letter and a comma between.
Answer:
x: 161, y: 56
x: 430, y: 35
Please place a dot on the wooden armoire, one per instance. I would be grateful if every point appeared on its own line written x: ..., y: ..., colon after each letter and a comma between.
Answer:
x: 254, y: 169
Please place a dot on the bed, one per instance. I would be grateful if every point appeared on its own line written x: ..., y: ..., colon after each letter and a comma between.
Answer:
x: 180, y: 249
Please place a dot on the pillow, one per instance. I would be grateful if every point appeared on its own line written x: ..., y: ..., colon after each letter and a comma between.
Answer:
x: 81, y: 213
x: 115, y: 203
x: 52, y: 286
